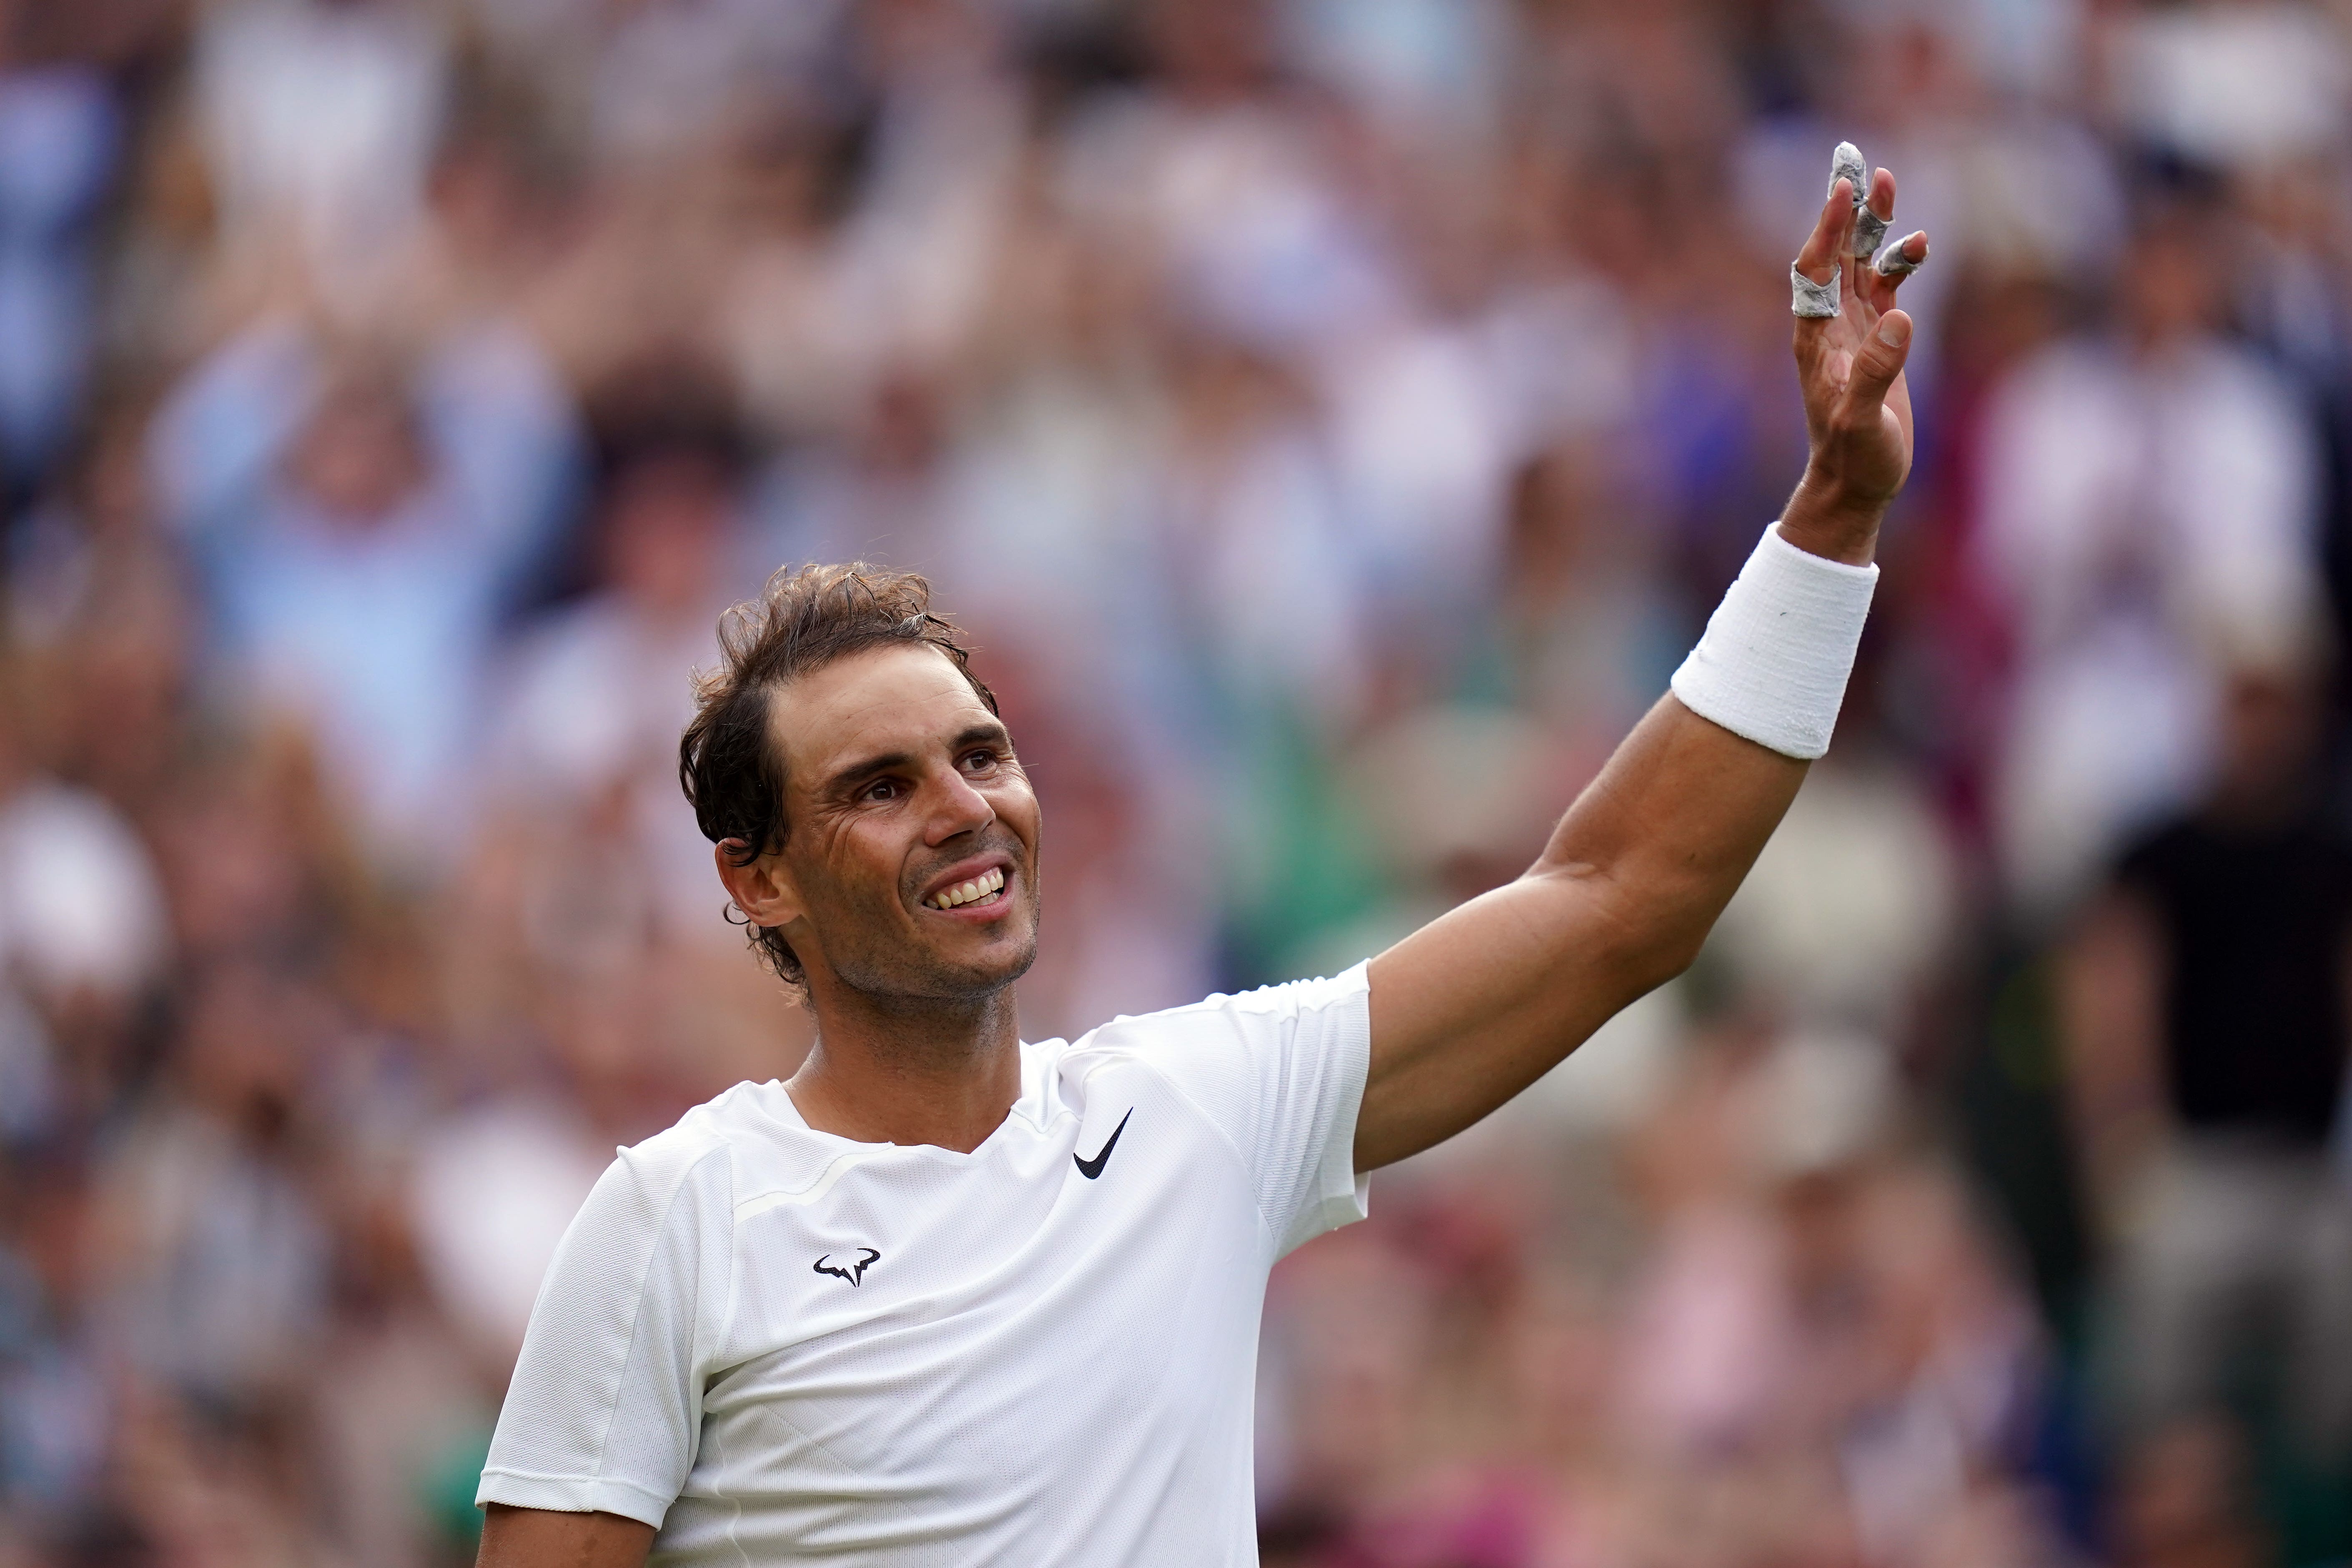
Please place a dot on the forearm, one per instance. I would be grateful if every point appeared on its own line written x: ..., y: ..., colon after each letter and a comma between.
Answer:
x: 1485, y: 1000
x: 1661, y: 840
x: 1676, y: 820
x: 1685, y: 805
x: 1471, y: 1009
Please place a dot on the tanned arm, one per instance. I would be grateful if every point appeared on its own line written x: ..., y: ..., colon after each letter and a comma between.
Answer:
x: 1478, y: 1005
x: 540, y: 1537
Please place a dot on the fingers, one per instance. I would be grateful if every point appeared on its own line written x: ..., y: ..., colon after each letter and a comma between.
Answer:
x: 1845, y: 257
x: 1871, y: 212
x: 1874, y: 206
x: 1849, y: 173
x: 1824, y: 247
x: 1902, y: 258
x: 1896, y: 263
x: 1823, y: 262
x: 1876, y: 364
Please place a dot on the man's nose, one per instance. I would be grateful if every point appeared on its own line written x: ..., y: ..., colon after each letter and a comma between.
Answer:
x: 960, y: 809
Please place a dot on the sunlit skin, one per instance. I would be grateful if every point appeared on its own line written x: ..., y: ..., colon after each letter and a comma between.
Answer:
x: 917, y: 1038
x: 898, y: 783
x: 1480, y: 1002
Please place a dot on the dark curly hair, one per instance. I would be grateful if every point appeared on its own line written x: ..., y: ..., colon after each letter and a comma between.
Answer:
x: 728, y: 763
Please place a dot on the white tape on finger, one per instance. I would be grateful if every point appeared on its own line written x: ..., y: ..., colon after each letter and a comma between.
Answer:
x: 1811, y: 300
x: 1847, y: 164
x: 1773, y: 664
x: 1894, y: 261
x: 1869, y: 230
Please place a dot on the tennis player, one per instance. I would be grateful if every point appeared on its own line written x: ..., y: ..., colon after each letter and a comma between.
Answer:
x: 948, y: 1298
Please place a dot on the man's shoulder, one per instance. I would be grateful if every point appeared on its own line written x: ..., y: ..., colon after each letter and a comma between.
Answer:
x: 742, y: 1126
x: 1222, y: 1011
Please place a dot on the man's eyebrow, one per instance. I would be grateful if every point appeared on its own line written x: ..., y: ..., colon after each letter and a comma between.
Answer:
x: 854, y: 774
x: 986, y: 731
x: 857, y: 772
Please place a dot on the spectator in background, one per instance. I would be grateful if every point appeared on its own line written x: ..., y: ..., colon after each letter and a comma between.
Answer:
x: 56, y: 1416
x: 84, y: 936
x: 2229, y: 83
x: 600, y: 688
x: 2205, y: 1013
x: 2148, y: 496
x: 219, y: 1270
x: 1158, y: 305
x: 1585, y: 627
x: 60, y: 143
x: 360, y: 529
x: 875, y: 495
x: 2186, y: 1501
x: 319, y: 121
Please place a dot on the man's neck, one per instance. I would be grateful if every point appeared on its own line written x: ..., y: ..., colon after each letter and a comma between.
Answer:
x: 904, y: 1070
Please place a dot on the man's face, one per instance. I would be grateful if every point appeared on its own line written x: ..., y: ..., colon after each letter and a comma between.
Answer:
x: 911, y: 836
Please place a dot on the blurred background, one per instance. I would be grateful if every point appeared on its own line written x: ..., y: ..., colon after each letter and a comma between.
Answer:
x: 1332, y: 420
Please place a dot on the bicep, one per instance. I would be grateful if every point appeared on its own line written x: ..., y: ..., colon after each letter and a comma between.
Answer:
x: 1457, y: 1030
x: 1479, y: 1003
x: 541, y: 1538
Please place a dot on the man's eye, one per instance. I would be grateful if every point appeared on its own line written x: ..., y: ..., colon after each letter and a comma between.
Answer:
x: 980, y: 759
x: 882, y: 789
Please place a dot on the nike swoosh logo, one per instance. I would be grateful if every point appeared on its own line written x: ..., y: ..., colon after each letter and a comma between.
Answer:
x: 1092, y: 1168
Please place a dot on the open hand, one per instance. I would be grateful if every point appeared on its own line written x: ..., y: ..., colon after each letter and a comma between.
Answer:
x: 1850, y: 368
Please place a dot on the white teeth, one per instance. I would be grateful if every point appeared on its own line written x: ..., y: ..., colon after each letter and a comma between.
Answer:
x: 979, y: 887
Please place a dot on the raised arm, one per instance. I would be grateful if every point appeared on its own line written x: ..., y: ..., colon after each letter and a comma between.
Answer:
x: 1476, y: 1005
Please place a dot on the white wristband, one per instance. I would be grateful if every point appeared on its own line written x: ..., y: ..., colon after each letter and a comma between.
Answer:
x: 1773, y: 664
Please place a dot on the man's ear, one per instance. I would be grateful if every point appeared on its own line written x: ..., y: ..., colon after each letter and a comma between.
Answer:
x: 762, y: 889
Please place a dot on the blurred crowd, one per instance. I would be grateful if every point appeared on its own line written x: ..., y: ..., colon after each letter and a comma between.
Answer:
x: 1332, y: 420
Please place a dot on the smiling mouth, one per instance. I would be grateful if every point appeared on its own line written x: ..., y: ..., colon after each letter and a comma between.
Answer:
x: 986, y: 889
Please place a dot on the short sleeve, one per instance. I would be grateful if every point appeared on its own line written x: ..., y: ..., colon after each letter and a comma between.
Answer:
x: 1281, y: 1073
x: 605, y: 1406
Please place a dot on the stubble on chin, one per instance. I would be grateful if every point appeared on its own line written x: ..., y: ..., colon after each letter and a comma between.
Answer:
x: 913, y: 975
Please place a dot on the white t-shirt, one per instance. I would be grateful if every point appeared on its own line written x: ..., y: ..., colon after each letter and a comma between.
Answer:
x: 779, y: 1345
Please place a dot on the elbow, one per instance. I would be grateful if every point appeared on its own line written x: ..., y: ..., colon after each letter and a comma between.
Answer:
x: 1633, y: 932
x: 1665, y: 958
x: 1655, y: 941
